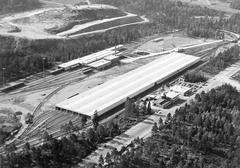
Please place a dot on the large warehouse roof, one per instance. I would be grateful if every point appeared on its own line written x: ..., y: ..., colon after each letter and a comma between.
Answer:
x: 114, y: 92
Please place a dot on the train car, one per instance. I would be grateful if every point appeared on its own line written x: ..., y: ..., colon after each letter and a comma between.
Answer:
x: 12, y: 86
x: 87, y: 70
x: 56, y: 71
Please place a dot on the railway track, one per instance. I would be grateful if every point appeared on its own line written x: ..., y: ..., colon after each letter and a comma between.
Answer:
x: 52, y: 121
x: 52, y: 81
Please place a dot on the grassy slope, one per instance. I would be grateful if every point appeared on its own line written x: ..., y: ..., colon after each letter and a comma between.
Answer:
x: 85, y: 16
x: 110, y: 24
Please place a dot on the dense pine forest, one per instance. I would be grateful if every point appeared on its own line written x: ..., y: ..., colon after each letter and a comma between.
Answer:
x: 222, y: 61
x: 202, y: 134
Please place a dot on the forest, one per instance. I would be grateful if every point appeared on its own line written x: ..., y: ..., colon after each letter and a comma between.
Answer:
x: 8, y: 6
x: 59, y: 153
x: 75, y: 146
x: 201, y: 134
x: 222, y: 60
x: 194, y: 77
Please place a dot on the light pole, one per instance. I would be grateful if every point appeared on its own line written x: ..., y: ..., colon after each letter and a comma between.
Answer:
x: 43, y: 63
x: 3, y: 76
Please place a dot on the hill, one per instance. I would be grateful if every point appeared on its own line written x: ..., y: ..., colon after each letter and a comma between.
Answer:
x: 7, y: 6
x: 62, y: 22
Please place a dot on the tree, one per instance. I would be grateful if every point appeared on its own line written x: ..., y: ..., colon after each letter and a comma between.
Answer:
x: 168, y: 118
x: 101, y: 132
x: 128, y: 107
x: 101, y: 161
x: 95, y: 120
x: 45, y: 136
x: 149, y: 108
x: 1, y: 161
x: 26, y: 146
x: 154, y: 129
x: 108, y: 158
x: 91, y: 136
x: 145, y: 110
x: 29, y: 118
x: 10, y: 148
x: 161, y: 164
x: 83, y: 120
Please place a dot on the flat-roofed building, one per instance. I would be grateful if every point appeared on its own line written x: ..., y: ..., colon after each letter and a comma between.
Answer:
x: 114, y: 92
x: 90, y: 58
x: 100, y: 64
x: 112, y: 58
x: 180, y: 89
x: 167, y: 99
x: 172, y: 95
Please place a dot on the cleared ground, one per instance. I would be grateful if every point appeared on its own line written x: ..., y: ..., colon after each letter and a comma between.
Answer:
x: 72, y: 2
x: 169, y: 42
x: 64, y: 21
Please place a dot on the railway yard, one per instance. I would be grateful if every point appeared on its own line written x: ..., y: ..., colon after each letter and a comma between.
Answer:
x: 42, y: 92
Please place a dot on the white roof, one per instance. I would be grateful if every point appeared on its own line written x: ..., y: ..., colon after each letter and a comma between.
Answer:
x: 111, y: 57
x: 180, y: 89
x: 114, y: 92
x: 172, y: 95
x: 91, y: 58
x: 99, y: 63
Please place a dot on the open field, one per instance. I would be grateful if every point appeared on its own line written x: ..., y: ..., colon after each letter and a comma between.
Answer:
x: 170, y: 42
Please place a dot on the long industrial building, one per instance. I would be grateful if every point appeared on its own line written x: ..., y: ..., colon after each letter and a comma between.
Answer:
x: 115, y: 92
x: 91, y: 58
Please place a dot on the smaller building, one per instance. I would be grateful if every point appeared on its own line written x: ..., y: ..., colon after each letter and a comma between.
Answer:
x: 112, y: 58
x: 101, y: 64
x: 172, y: 96
x: 181, y: 89
x: 69, y: 65
x: 167, y: 99
x: 163, y: 103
